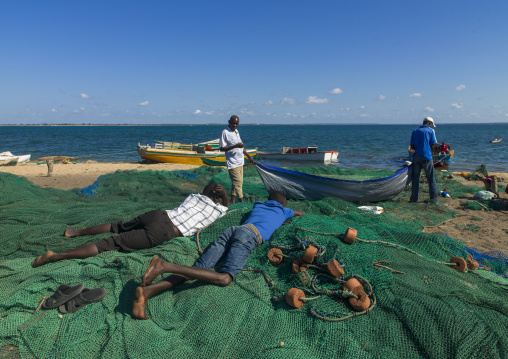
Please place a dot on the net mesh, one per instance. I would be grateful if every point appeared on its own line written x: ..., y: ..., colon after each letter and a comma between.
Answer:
x: 420, y: 306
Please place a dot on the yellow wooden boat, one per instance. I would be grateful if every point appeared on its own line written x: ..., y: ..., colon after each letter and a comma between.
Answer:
x: 174, y: 152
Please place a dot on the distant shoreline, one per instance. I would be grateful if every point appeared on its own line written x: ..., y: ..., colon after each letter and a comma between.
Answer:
x: 243, y: 124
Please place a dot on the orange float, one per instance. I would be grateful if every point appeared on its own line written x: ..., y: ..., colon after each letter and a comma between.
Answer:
x: 293, y: 297
x: 298, y: 266
x: 275, y: 256
x: 334, y: 268
x: 362, y: 302
x: 460, y: 262
x: 350, y: 235
x: 472, y: 264
x: 352, y: 285
x: 309, y: 254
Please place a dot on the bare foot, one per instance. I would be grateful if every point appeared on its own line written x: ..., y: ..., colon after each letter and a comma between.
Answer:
x: 41, y: 260
x: 139, y: 304
x: 70, y: 232
x: 151, y: 272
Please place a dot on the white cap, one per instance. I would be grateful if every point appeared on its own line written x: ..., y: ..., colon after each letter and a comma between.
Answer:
x: 429, y: 119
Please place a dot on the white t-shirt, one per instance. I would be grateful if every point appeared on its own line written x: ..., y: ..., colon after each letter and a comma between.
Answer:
x: 234, y: 158
x: 196, y: 212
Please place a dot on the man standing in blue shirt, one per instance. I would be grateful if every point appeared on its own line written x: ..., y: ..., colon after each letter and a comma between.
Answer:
x: 421, y: 141
x: 231, y: 143
x: 234, y: 246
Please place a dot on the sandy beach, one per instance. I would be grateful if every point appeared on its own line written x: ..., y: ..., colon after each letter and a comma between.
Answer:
x: 490, y: 226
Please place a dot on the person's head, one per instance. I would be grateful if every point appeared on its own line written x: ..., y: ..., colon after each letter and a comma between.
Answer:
x: 234, y: 121
x: 214, y: 192
x: 443, y: 143
x: 428, y: 121
x: 278, y: 197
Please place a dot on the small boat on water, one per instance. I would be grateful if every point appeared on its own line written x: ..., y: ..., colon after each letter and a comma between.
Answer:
x: 309, y: 153
x: 496, y: 140
x: 189, y: 154
x: 8, y: 159
x: 440, y: 159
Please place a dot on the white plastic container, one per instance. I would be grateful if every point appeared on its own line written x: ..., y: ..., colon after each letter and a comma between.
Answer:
x: 372, y: 209
x: 444, y: 194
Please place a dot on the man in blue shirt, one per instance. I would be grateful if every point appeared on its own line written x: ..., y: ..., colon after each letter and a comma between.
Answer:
x: 421, y: 141
x: 234, y: 246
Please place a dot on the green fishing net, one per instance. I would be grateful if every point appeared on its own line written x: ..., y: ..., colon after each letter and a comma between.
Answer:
x: 420, y: 305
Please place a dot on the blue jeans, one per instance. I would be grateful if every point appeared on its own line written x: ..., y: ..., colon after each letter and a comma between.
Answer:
x: 233, y: 246
x: 428, y: 167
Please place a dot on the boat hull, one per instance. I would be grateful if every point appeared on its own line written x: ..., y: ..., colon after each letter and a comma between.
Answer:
x: 183, y: 156
x: 297, y: 185
x: 8, y: 159
x: 213, y: 162
x: 327, y: 156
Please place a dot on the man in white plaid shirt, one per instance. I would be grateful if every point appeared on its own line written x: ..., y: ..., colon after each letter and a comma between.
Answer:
x: 149, y: 229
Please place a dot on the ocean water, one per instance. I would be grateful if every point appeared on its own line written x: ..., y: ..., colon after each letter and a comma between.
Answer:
x: 359, y: 146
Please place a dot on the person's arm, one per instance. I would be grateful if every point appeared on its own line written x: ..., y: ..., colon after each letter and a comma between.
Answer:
x: 229, y: 148
x: 248, y: 156
x: 217, y: 194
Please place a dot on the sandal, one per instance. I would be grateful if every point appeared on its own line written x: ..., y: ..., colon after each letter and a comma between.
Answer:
x: 63, y: 294
x: 87, y: 296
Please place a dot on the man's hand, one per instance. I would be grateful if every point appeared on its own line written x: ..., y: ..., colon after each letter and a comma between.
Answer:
x: 298, y: 213
x: 239, y: 145
x: 218, y: 190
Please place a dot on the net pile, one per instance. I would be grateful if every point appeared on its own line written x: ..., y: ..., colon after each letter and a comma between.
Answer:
x: 420, y: 306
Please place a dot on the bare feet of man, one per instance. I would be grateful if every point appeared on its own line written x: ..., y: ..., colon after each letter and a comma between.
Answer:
x: 41, y: 260
x: 139, y: 304
x: 70, y: 232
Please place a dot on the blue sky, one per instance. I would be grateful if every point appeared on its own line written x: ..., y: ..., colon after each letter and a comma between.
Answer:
x: 178, y: 62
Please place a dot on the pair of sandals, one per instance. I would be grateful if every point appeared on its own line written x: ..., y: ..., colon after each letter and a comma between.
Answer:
x: 70, y: 299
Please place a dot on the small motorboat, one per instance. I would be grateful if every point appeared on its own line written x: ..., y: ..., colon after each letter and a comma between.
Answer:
x: 439, y: 158
x: 8, y: 159
x: 496, y: 140
x: 309, y: 153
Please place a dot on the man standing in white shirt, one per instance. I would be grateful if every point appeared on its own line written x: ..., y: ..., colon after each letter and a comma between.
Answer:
x: 231, y: 143
x: 148, y: 229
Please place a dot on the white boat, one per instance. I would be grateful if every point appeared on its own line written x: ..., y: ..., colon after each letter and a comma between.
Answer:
x: 7, y: 158
x: 309, y: 153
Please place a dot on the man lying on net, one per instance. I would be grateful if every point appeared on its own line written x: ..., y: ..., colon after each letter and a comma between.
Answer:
x: 149, y: 229
x: 234, y: 246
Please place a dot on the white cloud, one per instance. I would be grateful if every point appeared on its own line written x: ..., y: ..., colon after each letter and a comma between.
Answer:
x: 53, y: 110
x: 457, y: 105
x: 84, y: 95
x: 460, y: 87
x: 416, y: 94
x: 316, y: 100
x: 428, y: 109
x: 362, y: 107
x: 197, y: 112
x: 381, y: 97
x: 288, y: 101
x: 144, y: 103
x: 335, y: 91
x: 270, y: 102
